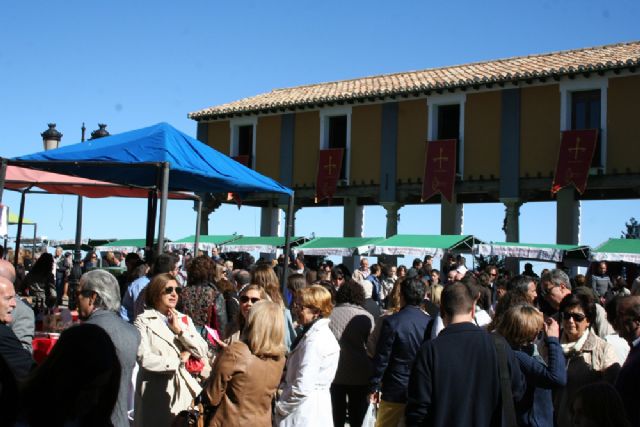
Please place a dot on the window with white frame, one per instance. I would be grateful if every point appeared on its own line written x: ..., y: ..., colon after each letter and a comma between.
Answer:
x: 446, y: 121
x: 243, y: 139
x: 335, y: 132
x: 584, y: 106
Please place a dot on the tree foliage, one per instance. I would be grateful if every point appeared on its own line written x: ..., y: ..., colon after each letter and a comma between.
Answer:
x: 633, y: 229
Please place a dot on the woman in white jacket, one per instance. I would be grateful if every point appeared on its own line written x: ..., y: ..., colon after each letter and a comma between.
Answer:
x: 311, y: 366
x: 164, y: 387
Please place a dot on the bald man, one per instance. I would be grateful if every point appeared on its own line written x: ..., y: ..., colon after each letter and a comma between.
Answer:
x: 18, y: 359
x: 24, y: 322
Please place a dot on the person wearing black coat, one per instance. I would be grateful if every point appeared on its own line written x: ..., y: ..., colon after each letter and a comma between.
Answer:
x: 627, y: 324
x: 455, y: 379
x: 401, y: 335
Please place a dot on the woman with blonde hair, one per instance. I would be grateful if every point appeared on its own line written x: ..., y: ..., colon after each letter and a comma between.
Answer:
x: 250, y: 295
x: 520, y: 326
x: 246, y: 375
x: 264, y: 276
x: 311, y: 365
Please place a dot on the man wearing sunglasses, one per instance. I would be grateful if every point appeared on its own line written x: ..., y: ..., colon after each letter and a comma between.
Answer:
x: 556, y: 285
x: 98, y: 298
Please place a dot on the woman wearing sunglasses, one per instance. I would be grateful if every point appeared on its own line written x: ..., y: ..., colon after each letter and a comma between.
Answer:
x: 589, y: 358
x: 246, y: 375
x: 249, y: 296
x: 164, y: 387
x: 311, y: 365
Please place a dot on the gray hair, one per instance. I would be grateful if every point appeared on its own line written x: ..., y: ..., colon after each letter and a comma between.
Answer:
x: 557, y: 277
x: 520, y: 283
x: 106, y: 287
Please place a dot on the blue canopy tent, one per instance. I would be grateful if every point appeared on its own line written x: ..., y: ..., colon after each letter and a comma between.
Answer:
x: 159, y: 158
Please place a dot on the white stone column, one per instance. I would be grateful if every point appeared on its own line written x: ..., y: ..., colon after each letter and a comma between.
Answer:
x: 269, y: 226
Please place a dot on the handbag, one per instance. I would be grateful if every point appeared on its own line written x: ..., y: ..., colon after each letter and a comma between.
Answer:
x: 194, y: 365
x: 193, y: 416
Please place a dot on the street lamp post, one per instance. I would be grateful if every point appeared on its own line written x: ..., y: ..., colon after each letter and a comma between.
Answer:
x: 76, y: 270
x: 51, y: 137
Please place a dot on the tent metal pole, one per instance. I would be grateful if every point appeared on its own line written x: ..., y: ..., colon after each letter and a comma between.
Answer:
x: 150, y: 222
x: 19, y: 234
x: 35, y: 233
x: 163, y: 205
x: 76, y: 269
x: 198, y: 217
x: 3, y: 174
x: 287, y: 241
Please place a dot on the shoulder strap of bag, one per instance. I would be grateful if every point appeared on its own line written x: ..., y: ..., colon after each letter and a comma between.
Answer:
x: 508, y: 408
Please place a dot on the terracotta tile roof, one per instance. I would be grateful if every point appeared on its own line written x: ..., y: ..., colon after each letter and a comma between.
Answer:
x: 549, y: 65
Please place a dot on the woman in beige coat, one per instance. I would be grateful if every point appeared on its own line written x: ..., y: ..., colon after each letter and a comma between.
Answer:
x: 589, y: 358
x: 164, y: 387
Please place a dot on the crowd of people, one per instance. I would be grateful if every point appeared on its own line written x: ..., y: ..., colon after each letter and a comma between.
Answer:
x: 179, y: 336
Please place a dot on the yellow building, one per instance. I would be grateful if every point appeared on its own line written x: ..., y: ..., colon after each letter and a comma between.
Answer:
x: 507, y: 116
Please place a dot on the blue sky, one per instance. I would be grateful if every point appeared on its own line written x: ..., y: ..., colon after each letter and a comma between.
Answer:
x: 133, y: 64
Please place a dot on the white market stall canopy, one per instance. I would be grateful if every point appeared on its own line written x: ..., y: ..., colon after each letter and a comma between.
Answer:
x: 423, y: 245
x: 206, y: 243
x: 264, y: 244
x: 339, y: 246
x: 627, y: 250
x: 532, y: 251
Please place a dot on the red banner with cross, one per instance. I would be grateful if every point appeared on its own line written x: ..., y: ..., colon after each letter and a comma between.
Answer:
x: 574, y: 161
x: 329, y: 169
x: 440, y: 169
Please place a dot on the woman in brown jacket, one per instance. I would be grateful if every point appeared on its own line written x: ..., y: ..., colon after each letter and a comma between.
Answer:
x: 245, y: 377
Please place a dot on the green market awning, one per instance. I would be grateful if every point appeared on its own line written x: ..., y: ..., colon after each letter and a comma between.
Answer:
x: 14, y: 219
x: 417, y: 245
x: 266, y: 244
x: 339, y: 246
x: 126, y: 245
x: 206, y: 242
x: 532, y: 251
x: 627, y: 250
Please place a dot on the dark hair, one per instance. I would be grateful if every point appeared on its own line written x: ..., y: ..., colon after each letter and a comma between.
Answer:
x: 85, y: 369
x: 329, y: 287
x: 296, y: 281
x: 602, y: 405
x: 154, y: 290
x: 131, y: 256
x: 374, y: 268
x: 456, y: 298
x: 510, y: 299
x: 520, y: 283
x: 341, y: 269
x: 200, y: 270
x: 350, y: 292
x: 43, y: 266
x: 164, y: 263
x: 416, y: 262
x: 413, y: 290
x: 583, y: 301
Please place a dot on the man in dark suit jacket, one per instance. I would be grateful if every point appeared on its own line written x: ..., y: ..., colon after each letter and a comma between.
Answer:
x: 627, y: 324
x: 24, y: 322
x: 99, y: 304
x: 18, y: 359
x: 400, y: 338
x: 455, y: 379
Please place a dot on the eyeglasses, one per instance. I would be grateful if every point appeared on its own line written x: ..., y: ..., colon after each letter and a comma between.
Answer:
x: 577, y: 317
x: 169, y: 290
x: 245, y: 299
